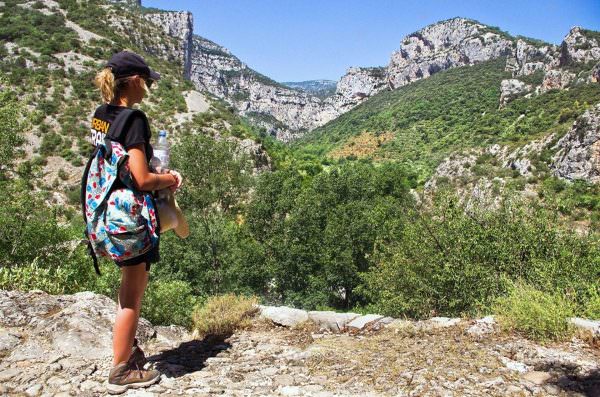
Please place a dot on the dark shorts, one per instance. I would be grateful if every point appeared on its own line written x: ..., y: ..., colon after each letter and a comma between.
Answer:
x: 149, y: 257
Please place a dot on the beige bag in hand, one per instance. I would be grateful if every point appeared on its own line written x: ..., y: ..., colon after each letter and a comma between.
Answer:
x: 170, y: 215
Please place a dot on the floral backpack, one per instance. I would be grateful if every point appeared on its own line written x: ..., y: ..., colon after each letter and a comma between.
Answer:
x: 121, y: 222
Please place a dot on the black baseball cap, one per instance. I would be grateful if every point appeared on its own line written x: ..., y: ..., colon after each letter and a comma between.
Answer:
x: 126, y: 63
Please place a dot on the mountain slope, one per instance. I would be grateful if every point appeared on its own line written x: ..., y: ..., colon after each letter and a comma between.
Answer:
x: 288, y: 113
x: 535, y: 90
x: 51, y: 51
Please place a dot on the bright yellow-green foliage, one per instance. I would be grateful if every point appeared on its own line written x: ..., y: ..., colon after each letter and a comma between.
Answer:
x: 592, y: 306
x: 222, y: 315
x: 538, y: 315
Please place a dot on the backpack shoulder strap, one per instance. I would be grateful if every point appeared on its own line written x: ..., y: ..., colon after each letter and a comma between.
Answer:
x: 84, y: 179
x: 118, y: 124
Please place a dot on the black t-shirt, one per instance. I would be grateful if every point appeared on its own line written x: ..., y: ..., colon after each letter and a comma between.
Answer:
x: 137, y: 130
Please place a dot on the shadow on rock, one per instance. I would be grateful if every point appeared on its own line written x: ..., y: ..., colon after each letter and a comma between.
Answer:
x: 588, y: 385
x: 188, y: 357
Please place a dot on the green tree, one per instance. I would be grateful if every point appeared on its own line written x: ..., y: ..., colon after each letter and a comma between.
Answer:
x: 217, y: 177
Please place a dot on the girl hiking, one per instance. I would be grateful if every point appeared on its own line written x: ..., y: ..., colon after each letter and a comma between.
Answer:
x: 123, y: 83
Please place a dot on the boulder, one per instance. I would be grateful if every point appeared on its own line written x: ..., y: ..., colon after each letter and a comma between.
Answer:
x: 443, y: 322
x: 482, y: 326
x: 586, y: 325
x: 284, y: 315
x: 78, y: 325
x: 362, y: 321
x: 512, y: 88
x: 331, y: 321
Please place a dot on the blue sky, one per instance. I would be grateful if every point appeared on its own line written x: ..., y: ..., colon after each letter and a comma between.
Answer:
x: 295, y: 40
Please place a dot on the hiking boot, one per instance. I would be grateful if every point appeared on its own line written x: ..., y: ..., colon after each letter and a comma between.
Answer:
x: 137, y: 355
x: 124, y: 376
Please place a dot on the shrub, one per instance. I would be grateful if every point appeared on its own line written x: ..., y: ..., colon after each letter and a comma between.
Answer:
x: 50, y: 143
x: 63, y: 175
x: 454, y: 260
x: 222, y: 315
x: 169, y: 302
x: 592, y: 306
x: 10, y: 130
x: 65, y: 276
x: 538, y: 315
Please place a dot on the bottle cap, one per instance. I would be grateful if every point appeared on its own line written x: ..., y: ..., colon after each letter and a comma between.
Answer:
x: 162, y: 133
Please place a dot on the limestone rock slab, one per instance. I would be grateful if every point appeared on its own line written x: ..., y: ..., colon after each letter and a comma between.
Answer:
x: 331, y: 321
x: 362, y: 321
x: 284, y: 315
x: 586, y: 325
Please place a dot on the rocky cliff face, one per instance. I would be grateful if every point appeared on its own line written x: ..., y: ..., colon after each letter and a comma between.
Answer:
x: 558, y: 66
x: 357, y: 85
x: 579, y: 150
x: 580, y: 45
x: 179, y: 25
x: 512, y: 88
x: 283, y: 111
x: 444, y: 45
x: 526, y: 58
x: 288, y: 113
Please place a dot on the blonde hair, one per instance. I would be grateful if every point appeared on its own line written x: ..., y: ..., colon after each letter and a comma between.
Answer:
x: 111, y: 88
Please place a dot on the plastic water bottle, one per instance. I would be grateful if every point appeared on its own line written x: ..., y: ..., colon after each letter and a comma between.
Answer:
x: 161, y: 152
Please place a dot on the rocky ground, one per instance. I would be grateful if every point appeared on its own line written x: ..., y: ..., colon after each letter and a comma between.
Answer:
x: 60, y: 346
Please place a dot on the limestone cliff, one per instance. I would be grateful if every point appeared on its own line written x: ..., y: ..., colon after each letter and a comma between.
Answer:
x: 580, y: 45
x: 179, y: 25
x: 527, y: 58
x: 288, y: 113
x: 444, y: 45
x: 579, y: 150
x: 285, y: 112
x: 558, y: 66
x: 357, y: 85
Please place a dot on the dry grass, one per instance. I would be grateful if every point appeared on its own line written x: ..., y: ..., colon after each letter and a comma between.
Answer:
x: 363, y: 145
x: 222, y: 315
x: 395, y: 358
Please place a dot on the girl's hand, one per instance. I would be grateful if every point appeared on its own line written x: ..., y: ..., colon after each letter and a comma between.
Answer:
x: 178, y: 178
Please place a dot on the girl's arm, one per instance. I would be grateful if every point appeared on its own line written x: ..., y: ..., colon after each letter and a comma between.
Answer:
x: 142, y: 177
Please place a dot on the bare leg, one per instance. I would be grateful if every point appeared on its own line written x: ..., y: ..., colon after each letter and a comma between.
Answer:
x: 133, y: 283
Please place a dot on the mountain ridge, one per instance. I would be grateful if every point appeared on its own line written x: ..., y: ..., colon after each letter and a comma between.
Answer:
x: 289, y: 114
x: 321, y: 88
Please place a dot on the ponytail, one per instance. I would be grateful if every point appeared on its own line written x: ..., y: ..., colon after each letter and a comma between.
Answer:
x: 105, y: 81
